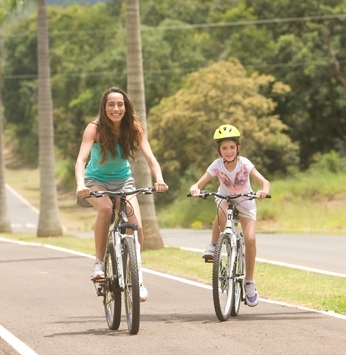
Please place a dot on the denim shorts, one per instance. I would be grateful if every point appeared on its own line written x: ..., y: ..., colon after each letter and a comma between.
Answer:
x: 242, y: 212
x: 115, y: 185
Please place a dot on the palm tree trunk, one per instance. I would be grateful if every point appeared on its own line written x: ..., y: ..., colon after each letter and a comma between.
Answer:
x: 5, y: 225
x: 49, y: 221
x: 135, y: 89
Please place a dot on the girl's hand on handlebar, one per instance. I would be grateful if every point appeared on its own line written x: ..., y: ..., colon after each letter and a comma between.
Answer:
x: 261, y: 194
x: 194, y: 190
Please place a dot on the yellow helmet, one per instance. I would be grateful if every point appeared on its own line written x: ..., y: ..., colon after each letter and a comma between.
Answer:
x: 226, y: 131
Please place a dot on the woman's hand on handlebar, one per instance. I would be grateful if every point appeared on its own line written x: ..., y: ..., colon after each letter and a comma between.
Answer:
x: 82, y: 191
x: 160, y: 186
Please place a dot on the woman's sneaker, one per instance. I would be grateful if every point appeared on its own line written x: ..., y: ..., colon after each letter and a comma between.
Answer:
x: 251, y: 296
x: 143, y: 293
x: 209, y: 252
x: 98, y: 271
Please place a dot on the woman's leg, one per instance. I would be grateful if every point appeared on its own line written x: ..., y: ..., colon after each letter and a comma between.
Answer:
x: 104, y: 207
x: 134, y: 215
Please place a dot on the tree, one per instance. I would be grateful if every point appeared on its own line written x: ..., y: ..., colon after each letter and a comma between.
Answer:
x: 135, y: 88
x: 5, y: 225
x: 49, y: 222
x: 222, y: 93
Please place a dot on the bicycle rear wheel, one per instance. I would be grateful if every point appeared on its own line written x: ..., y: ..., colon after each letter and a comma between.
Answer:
x: 131, y: 291
x: 112, y: 292
x: 223, y: 285
x: 239, y: 277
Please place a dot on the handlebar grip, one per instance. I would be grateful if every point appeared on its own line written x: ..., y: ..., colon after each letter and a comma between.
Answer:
x: 188, y: 194
x: 269, y: 196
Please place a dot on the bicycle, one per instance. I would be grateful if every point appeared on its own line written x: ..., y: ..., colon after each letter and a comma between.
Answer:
x: 123, y: 271
x: 229, y: 260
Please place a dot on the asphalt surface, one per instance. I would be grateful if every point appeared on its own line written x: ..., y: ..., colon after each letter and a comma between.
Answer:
x: 48, y: 303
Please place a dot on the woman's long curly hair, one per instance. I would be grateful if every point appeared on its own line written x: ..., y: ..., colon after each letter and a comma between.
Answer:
x: 131, y: 129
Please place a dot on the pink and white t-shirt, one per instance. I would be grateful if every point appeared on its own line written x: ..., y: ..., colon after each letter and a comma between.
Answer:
x: 236, y: 181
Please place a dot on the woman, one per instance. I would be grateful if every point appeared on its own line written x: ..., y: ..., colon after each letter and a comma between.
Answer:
x: 111, y: 140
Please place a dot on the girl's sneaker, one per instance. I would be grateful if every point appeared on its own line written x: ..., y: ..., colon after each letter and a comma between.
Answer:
x: 209, y: 252
x: 251, y: 296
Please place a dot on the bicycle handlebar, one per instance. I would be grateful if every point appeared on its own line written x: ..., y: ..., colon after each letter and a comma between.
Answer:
x: 204, y: 194
x: 143, y: 190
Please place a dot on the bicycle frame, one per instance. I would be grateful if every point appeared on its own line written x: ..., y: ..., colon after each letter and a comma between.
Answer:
x: 121, y: 222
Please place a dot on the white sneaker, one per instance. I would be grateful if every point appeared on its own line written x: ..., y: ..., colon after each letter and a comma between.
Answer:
x: 251, y: 296
x: 98, y: 271
x: 143, y: 293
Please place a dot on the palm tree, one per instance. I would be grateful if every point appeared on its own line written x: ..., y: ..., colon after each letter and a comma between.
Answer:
x: 5, y: 225
x: 135, y: 88
x: 49, y: 221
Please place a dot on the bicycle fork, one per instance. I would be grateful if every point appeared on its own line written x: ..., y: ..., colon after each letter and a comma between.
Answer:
x: 119, y: 259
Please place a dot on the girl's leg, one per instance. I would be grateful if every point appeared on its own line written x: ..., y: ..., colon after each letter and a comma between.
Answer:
x: 249, y: 230
x: 219, y: 221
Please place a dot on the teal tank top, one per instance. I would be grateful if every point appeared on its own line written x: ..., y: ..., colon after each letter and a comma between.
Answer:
x: 116, y: 168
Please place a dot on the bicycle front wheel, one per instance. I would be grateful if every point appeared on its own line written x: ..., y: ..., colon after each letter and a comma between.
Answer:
x: 223, y: 284
x: 239, y: 278
x: 112, y: 292
x: 131, y: 291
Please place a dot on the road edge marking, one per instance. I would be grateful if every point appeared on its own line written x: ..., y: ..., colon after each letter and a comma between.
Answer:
x: 16, y: 344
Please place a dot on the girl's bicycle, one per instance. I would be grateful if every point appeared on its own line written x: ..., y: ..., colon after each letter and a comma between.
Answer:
x: 229, y: 260
x: 123, y: 272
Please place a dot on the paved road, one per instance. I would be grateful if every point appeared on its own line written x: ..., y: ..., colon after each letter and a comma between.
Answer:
x: 48, y: 302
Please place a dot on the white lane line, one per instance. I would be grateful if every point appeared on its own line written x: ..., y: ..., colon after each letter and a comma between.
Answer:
x: 293, y: 266
x: 16, y: 344
x: 14, y: 192
x: 279, y: 263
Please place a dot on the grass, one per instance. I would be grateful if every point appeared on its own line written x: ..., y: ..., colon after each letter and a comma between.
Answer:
x: 321, y: 199
x: 297, y: 287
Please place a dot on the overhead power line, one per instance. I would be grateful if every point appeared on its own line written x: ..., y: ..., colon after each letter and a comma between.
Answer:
x: 192, y: 26
x: 160, y: 72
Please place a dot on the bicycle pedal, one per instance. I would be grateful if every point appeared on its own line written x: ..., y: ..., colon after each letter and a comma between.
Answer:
x: 209, y: 261
x: 99, y: 280
x: 99, y: 286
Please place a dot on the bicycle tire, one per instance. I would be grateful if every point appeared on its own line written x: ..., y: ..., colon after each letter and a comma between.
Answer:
x: 223, y: 285
x: 131, y: 285
x: 112, y: 293
x: 238, y: 278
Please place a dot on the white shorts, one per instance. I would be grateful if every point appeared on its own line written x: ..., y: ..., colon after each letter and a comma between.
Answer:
x: 243, y: 212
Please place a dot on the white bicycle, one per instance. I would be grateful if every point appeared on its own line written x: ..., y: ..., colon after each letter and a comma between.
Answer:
x: 229, y: 260
x: 123, y: 271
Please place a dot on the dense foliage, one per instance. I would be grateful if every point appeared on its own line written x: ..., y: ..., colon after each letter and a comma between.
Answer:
x: 287, y: 85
